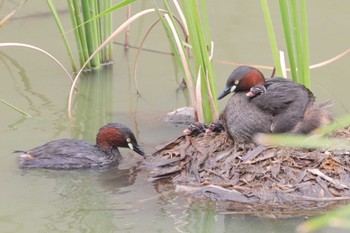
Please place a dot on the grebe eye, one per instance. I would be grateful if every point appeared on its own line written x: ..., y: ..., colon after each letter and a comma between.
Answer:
x: 236, y: 82
x: 128, y: 140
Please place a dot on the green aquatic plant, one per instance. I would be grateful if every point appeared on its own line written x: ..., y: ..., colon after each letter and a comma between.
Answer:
x: 272, y: 38
x: 121, y: 28
x: 338, y: 219
x: 92, y: 24
x: 193, y: 52
x: 64, y: 37
x: 317, y: 140
x: 295, y: 27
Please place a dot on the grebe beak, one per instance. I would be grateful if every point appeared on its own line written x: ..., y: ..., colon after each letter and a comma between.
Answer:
x: 227, y: 91
x: 136, y: 148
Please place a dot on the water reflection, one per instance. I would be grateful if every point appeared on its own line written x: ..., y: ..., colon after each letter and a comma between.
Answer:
x: 201, y: 217
x: 251, y: 224
x: 113, y: 179
x: 93, y: 103
x: 84, y: 200
x: 23, y: 87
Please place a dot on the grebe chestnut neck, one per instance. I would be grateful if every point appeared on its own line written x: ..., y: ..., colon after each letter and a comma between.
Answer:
x: 275, y: 105
x: 75, y: 154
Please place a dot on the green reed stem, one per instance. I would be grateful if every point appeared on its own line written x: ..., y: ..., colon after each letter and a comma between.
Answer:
x: 105, y: 24
x: 79, y: 32
x: 201, y: 46
x: 294, y: 21
x: 193, y: 54
x: 272, y: 38
x: 108, y: 31
x: 60, y: 27
x: 92, y: 24
x: 287, y: 27
x: 297, y: 39
x: 96, y: 27
x: 89, y: 31
x: 100, y: 5
x: 305, y: 44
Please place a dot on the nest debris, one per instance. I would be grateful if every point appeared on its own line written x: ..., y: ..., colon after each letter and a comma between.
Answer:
x: 277, y: 181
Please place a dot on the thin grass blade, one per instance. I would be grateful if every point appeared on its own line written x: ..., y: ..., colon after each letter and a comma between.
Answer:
x: 15, y: 108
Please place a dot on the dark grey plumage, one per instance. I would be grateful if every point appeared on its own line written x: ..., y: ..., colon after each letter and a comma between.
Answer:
x: 275, y: 105
x: 75, y: 154
x: 287, y: 101
x: 241, y: 119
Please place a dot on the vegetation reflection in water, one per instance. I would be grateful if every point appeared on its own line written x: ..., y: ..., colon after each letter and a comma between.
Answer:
x: 83, y: 200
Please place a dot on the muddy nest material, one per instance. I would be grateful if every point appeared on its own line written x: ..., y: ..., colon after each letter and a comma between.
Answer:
x: 282, y: 179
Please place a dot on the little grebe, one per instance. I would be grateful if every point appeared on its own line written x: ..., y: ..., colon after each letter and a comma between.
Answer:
x: 275, y: 105
x: 74, y: 154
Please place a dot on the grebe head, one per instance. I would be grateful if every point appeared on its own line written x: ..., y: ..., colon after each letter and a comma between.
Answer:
x: 242, y: 79
x: 115, y: 135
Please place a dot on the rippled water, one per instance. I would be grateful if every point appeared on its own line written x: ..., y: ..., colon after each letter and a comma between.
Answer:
x: 120, y: 199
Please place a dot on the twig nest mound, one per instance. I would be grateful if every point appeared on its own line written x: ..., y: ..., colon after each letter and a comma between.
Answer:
x: 278, y: 181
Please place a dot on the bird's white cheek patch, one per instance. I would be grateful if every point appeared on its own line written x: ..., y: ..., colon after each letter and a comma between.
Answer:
x: 233, y: 88
x: 129, y: 143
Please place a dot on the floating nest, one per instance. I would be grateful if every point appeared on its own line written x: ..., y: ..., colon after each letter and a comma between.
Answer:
x: 277, y: 181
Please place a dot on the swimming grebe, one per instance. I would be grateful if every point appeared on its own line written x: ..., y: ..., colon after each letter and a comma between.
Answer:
x: 74, y: 154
